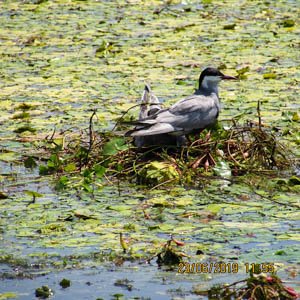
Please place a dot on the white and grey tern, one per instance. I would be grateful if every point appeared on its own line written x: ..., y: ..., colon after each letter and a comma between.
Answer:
x: 195, y: 112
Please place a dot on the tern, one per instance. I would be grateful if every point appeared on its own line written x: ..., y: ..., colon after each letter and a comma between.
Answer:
x: 195, y: 112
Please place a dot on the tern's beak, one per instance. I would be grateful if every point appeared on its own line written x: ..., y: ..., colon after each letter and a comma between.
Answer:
x: 227, y: 77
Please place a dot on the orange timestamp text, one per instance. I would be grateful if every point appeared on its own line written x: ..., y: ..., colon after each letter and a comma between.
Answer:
x: 223, y: 267
x: 218, y: 267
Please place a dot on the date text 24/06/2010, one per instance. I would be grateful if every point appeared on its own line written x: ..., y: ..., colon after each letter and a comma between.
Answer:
x: 222, y: 267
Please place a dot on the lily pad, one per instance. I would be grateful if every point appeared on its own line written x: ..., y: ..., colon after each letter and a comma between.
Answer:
x: 114, y: 146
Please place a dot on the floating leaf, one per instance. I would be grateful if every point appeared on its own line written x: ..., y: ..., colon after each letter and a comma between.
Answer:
x: 52, y: 228
x: 61, y: 183
x: 280, y: 252
x: 8, y: 295
x: 113, y: 146
x: 71, y: 167
x: 229, y: 26
x: 3, y: 195
x: 270, y: 76
x: 119, y: 208
x: 23, y: 115
x: 30, y: 163
x: 104, y: 49
x: 288, y: 23
x: 24, y: 106
x: 99, y: 170
x: 43, y: 292
x: 8, y: 156
x: 296, y: 117
x: 64, y: 283
x: 159, y: 202
x: 33, y: 194
x: 84, y: 214
x: 294, y: 180
x: 242, y: 70
x: 24, y: 129
x: 214, y: 208
x: 157, y: 171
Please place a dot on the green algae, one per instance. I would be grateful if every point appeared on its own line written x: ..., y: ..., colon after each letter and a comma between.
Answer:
x: 9, y: 295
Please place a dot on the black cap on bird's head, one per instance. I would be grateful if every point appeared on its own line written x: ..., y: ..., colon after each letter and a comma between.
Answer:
x: 212, y: 75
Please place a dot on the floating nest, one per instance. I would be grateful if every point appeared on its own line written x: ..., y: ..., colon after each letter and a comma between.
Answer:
x: 257, y: 287
x: 241, y: 149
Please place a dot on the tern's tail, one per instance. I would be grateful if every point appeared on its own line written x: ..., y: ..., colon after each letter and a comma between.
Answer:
x: 150, y: 104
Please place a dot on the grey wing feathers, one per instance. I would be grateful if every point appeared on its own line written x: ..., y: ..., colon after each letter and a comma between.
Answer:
x: 191, y: 104
x: 194, y: 112
x: 155, y: 129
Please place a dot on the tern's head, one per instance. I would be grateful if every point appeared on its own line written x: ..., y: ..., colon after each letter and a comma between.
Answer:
x: 210, y: 77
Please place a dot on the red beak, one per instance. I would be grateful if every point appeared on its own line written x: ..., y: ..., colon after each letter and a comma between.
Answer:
x: 227, y: 77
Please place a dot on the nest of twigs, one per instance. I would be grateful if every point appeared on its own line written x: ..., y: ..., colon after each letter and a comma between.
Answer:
x: 246, y: 148
x: 256, y: 287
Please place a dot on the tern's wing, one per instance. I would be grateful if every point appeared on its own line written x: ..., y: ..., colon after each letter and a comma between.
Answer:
x: 155, y: 129
x: 196, y: 111
x: 194, y: 103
